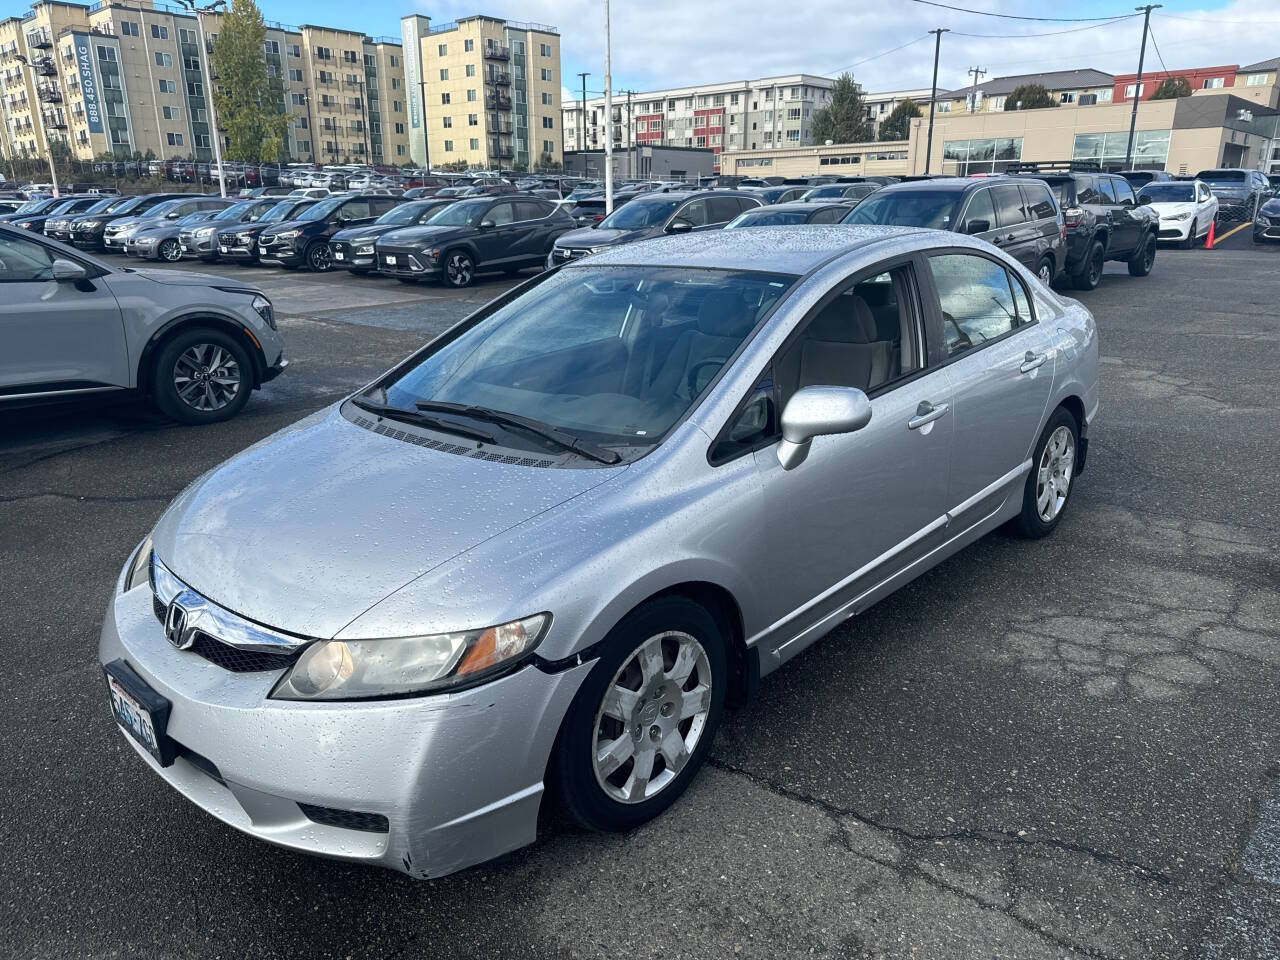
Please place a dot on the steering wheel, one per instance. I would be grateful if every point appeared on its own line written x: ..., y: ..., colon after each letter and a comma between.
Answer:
x: 962, y: 338
x: 692, y: 378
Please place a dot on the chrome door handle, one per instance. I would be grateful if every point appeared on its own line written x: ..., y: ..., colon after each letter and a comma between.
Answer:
x: 1031, y: 361
x: 927, y: 412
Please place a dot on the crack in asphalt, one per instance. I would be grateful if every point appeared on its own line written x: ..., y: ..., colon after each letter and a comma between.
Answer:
x: 989, y: 837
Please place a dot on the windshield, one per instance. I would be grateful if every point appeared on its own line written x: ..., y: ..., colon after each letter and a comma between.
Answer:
x: 106, y: 204
x: 322, y: 209
x: 200, y: 216
x: 405, y: 213
x: 1222, y: 178
x: 640, y: 213
x: 39, y: 206
x: 281, y: 211
x: 235, y: 211
x: 603, y: 353
x: 129, y: 205
x: 160, y: 209
x: 908, y: 208
x: 1167, y: 193
x: 466, y: 213
x: 66, y: 206
x: 767, y: 218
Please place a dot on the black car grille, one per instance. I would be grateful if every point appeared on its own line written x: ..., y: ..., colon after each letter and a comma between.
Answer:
x: 347, y: 819
x: 226, y: 656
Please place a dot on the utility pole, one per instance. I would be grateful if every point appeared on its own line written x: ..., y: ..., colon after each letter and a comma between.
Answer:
x: 973, y: 102
x: 608, y: 118
x: 582, y: 129
x: 631, y: 136
x: 933, y: 96
x: 1137, y: 86
x: 208, y: 81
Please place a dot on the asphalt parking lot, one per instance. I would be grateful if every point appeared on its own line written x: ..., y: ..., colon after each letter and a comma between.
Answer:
x: 1067, y: 748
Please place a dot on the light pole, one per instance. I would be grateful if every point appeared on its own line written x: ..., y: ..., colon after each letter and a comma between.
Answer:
x: 208, y: 82
x: 1137, y: 84
x: 44, y: 135
x: 933, y: 96
x: 608, y: 118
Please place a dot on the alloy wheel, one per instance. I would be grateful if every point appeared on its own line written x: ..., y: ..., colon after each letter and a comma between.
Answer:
x: 1095, y: 268
x: 1053, y: 478
x: 320, y: 259
x: 206, y: 377
x: 170, y: 251
x: 1045, y: 273
x: 1149, y: 254
x: 652, y: 716
x: 459, y: 269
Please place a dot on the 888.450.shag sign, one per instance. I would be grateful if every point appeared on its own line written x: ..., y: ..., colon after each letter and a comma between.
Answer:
x: 88, y: 83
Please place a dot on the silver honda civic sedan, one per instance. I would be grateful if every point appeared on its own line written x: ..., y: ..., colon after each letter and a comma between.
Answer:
x: 539, y: 557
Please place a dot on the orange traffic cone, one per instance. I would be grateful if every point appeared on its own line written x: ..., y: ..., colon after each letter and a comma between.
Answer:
x: 1208, y: 243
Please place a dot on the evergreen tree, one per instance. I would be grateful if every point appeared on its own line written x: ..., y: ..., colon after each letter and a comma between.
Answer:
x: 897, y: 125
x: 249, y: 101
x: 844, y: 119
x: 1171, y: 88
x: 1029, y: 96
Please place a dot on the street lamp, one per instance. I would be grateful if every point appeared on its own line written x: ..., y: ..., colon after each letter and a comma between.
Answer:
x: 208, y: 82
x: 53, y: 173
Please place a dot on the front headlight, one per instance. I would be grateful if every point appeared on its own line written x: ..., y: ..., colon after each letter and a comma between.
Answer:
x: 25, y: 224
x: 205, y: 231
x: 263, y: 308
x: 139, y: 567
x: 1185, y: 215
x: 597, y: 249
x: 92, y: 224
x: 288, y: 235
x: 365, y: 251
x: 360, y: 669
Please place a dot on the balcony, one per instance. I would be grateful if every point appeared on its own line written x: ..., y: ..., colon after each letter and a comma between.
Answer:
x: 48, y: 93
x: 45, y: 67
x: 497, y: 78
x: 54, y: 121
x: 499, y: 124
x: 496, y: 101
x: 494, y: 52
x: 39, y: 39
x: 499, y: 152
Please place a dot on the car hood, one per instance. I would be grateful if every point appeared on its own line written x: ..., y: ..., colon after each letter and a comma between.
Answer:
x: 1271, y: 208
x: 155, y: 229
x: 186, y: 278
x: 285, y: 225
x: 312, y: 526
x: 417, y: 236
x: 352, y: 234
x: 1234, y: 192
x: 1170, y: 208
x: 595, y: 237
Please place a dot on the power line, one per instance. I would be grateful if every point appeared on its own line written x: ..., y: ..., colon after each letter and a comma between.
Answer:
x: 1011, y: 16
x: 1214, y: 21
x: 876, y: 57
x: 1163, y: 65
x: 1051, y: 33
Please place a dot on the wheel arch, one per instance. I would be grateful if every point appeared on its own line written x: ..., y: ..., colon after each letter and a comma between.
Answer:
x: 187, y: 321
x: 1074, y: 405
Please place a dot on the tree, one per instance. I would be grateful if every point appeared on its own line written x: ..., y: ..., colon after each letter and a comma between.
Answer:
x: 1171, y: 88
x: 897, y: 125
x: 1029, y: 96
x: 844, y: 119
x: 249, y: 101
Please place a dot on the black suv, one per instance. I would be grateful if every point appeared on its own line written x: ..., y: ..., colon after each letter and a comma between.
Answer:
x: 306, y: 240
x: 505, y: 233
x: 1239, y: 192
x: 353, y: 248
x: 1104, y: 222
x: 1018, y: 216
x: 239, y: 241
x: 652, y: 215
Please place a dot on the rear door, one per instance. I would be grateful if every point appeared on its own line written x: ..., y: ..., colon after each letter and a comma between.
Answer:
x: 1017, y: 236
x: 720, y: 210
x: 56, y: 336
x: 1127, y: 218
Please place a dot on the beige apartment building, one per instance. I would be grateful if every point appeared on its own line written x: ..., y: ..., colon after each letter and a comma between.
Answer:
x: 483, y: 91
x: 130, y: 77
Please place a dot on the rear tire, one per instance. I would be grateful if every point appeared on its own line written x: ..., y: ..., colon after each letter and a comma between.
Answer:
x: 1144, y: 258
x: 1053, y: 469
x: 657, y: 691
x: 202, y: 375
x: 1090, y: 274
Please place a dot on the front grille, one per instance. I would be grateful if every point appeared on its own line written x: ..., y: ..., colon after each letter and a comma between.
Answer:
x: 236, y: 660
x: 347, y: 819
x: 1170, y: 234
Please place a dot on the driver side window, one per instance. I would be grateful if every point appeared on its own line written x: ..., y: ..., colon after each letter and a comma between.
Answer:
x: 501, y: 213
x: 23, y: 260
x: 979, y: 211
x: 695, y: 212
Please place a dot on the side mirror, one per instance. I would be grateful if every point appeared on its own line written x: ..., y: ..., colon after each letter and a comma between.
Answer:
x: 818, y: 412
x: 977, y: 226
x: 66, y: 271
x: 680, y: 226
x: 487, y: 224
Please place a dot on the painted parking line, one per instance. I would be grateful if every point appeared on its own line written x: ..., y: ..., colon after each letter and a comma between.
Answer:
x: 1232, y: 232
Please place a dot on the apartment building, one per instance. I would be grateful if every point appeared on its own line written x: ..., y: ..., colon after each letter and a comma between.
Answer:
x: 1085, y: 87
x: 130, y: 77
x: 738, y: 115
x: 879, y: 105
x: 483, y: 91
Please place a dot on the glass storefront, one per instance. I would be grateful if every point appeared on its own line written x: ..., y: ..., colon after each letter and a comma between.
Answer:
x: 960, y: 158
x: 1150, y: 149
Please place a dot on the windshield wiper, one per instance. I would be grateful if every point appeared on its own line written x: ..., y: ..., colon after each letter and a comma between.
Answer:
x: 561, y: 439
x: 422, y: 420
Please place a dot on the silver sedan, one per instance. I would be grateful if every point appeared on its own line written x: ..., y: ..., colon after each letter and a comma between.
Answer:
x: 541, y: 555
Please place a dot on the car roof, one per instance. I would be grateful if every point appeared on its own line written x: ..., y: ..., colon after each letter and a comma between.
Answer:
x: 801, y: 206
x: 790, y: 249
x: 955, y: 184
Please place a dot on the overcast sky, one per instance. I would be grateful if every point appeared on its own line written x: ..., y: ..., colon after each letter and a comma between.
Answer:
x: 660, y: 43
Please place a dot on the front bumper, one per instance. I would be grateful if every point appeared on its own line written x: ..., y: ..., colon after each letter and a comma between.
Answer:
x: 87, y: 239
x: 407, y: 263
x: 145, y: 248
x: 458, y: 777
x: 233, y: 249
x: 285, y: 251
x: 1175, y: 229
x: 346, y: 255
x: 1266, y: 228
x: 205, y: 247
x: 115, y: 242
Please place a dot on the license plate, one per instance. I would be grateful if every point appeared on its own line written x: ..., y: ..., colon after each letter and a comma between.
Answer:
x: 185, y: 248
x: 222, y: 248
x: 140, y: 710
x: 391, y: 261
x: 339, y: 255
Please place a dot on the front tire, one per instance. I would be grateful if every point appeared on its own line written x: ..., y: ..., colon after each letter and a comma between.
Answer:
x: 319, y: 257
x: 201, y: 376
x: 170, y: 251
x: 1144, y: 258
x: 1090, y: 274
x: 459, y: 269
x: 643, y: 721
x: 1048, y: 486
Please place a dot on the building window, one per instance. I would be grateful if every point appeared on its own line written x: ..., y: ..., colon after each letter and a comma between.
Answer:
x: 473, y: 119
x: 442, y: 49
x: 1150, y: 148
x: 1104, y: 96
x: 167, y: 86
x: 399, y: 128
x: 546, y: 74
x: 174, y: 139
x: 444, y: 73
x: 444, y: 99
x: 700, y: 122
x: 474, y: 143
x: 107, y: 54
x: 471, y: 96
x: 544, y: 49
x: 1068, y: 97
x: 964, y: 157
x: 1129, y: 90
x: 548, y: 123
x: 171, y: 113
x: 793, y: 113
x: 202, y: 140
x: 295, y: 51
x: 548, y: 147
x: 271, y: 46
x: 547, y: 100
x: 1255, y: 80
x: 128, y: 28
x: 700, y: 141
x: 793, y: 136
x: 194, y: 89
x: 448, y: 146
x: 448, y: 122
x: 324, y: 53
x: 471, y: 70
x: 1214, y: 83
x: 396, y: 106
x: 299, y: 99
x: 158, y: 32
x: 295, y: 76
x: 163, y: 59
x: 468, y: 46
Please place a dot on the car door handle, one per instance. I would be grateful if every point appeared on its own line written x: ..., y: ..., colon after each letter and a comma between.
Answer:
x: 1032, y: 360
x: 927, y: 412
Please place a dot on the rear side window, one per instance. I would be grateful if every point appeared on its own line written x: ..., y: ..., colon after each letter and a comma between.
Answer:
x: 1107, y: 189
x: 1124, y: 192
x: 355, y: 210
x: 1087, y: 190
x: 976, y: 299
x: 830, y: 215
x: 1040, y: 204
x: 723, y: 209
x: 746, y: 203
x: 530, y: 210
x: 1008, y: 202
